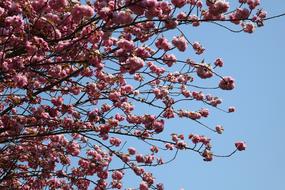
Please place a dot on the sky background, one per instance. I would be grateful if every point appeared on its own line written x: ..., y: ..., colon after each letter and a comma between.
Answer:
x: 256, y: 61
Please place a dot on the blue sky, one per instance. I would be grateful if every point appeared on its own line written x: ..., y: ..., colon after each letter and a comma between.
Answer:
x: 256, y: 61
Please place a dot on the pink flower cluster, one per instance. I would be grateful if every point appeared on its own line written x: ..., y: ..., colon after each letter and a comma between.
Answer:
x: 80, y: 11
x: 162, y: 43
x: 169, y: 59
x: 231, y: 109
x: 248, y: 27
x: 218, y: 7
x: 219, y: 62
x: 20, y: 80
x: 204, y: 71
x: 58, y: 4
x: 194, y: 115
x: 240, y: 145
x: 122, y: 17
x: 198, y: 48
x: 227, y: 83
x: 133, y: 64
x: 155, y: 69
x: 239, y: 14
x: 199, y: 139
x: 115, y: 141
x: 126, y: 45
x: 180, y: 43
x: 57, y: 101
x: 179, y: 3
x: 76, y: 78
x: 253, y: 3
x: 16, y: 21
x: 219, y: 129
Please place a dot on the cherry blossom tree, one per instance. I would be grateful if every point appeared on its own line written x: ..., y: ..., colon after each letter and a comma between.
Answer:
x: 81, y: 80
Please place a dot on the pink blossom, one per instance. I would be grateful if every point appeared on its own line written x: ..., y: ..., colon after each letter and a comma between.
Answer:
x: 169, y: 146
x: 242, y: 13
x: 132, y: 150
x: 182, y: 16
x: 80, y: 11
x: 126, y: 45
x: 143, y: 52
x: 248, y: 27
x: 138, y: 170
x: 154, y: 149
x: 143, y: 186
x: 178, y: 3
x: 227, y: 83
x: 195, y: 138
x: 117, y: 175
x: 186, y: 93
x: 116, y: 185
x: 198, y: 48
x: 122, y: 17
x: 149, y: 3
x: 180, y: 42
x: 21, y: 80
x: 219, y: 62
x: 153, y: 12
x: 105, y: 12
x: 181, y: 145
x: 58, y: 4
x: 115, y: 141
x: 160, y: 186
x: 204, y: 71
x: 231, y: 109
x: 198, y: 3
x: 204, y: 112
x: 119, y: 117
x: 253, y: 3
x: 57, y: 101
x: 115, y: 96
x: 215, y: 101
x: 162, y: 43
x: 158, y: 126
x: 171, y: 24
x: 262, y: 14
x: 149, y: 159
x: 169, y: 59
x: 219, y: 7
x: 194, y: 115
x: 198, y: 95
x: 73, y: 148
x: 83, y: 163
x: 208, y: 155
x: 240, y: 145
x: 2, y: 11
x: 75, y: 90
x: 168, y: 113
x: 103, y: 175
x: 140, y: 158
x: 195, y: 20
x: 127, y: 89
x: 219, y: 129
x: 133, y: 64
x: 15, y: 21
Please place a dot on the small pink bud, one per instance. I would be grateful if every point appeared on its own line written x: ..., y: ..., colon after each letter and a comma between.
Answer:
x: 240, y: 145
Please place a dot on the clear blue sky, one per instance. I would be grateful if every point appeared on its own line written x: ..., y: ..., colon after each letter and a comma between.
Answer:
x: 257, y: 63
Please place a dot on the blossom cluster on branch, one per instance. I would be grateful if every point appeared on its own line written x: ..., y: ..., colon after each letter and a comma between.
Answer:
x: 75, y: 77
